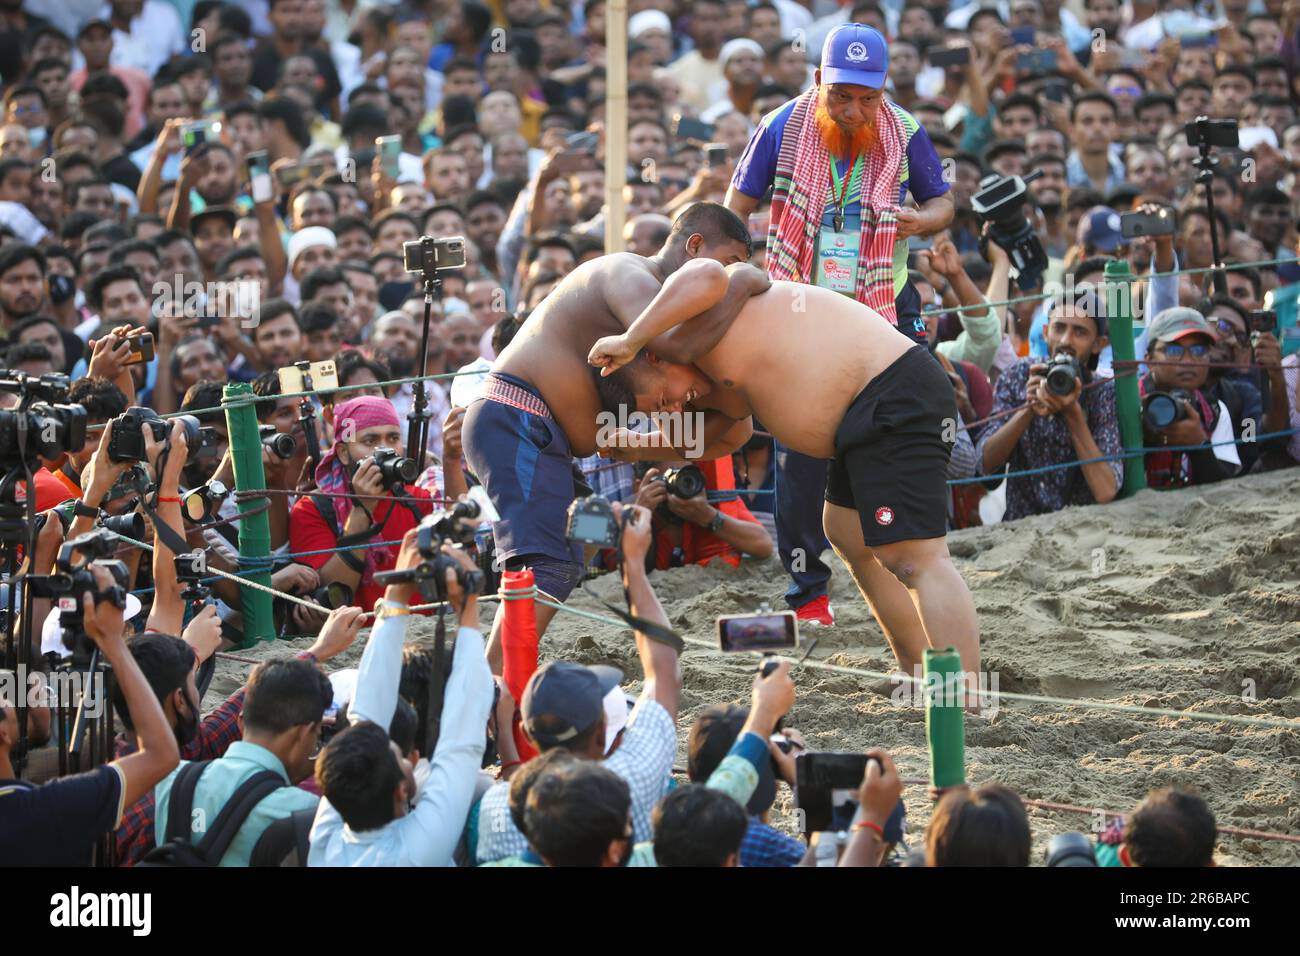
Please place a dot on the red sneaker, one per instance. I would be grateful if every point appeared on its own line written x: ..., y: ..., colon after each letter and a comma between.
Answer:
x: 816, y: 611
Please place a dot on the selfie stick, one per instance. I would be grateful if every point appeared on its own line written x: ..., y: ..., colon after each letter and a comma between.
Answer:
x: 417, y: 433
x: 945, y: 693
x: 1205, y: 177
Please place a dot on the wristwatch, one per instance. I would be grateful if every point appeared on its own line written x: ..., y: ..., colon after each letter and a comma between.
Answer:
x: 716, y: 524
x: 83, y: 510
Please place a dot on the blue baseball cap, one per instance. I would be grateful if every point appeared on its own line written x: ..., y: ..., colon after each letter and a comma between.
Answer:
x: 856, y: 54
x: 570, y: 698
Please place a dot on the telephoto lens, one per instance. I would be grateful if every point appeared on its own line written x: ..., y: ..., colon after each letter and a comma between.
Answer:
x: 1070, y: 849
x: 684, y: 482
x: 281, y: 444
x: 128, y: 525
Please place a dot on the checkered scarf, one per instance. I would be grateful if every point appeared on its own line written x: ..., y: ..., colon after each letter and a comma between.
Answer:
x: 799, y: 201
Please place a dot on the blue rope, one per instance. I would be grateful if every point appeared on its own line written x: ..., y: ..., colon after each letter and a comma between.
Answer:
x: 1126, y: 453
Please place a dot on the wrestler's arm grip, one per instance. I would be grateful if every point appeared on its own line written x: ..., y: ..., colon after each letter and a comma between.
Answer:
x: 692, y: 290
x: 687, y: 342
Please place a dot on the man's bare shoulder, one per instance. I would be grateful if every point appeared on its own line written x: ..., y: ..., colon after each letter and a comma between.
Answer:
x: 621, y: 271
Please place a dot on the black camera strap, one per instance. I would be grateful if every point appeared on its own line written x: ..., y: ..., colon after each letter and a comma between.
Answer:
x: 656, y: 632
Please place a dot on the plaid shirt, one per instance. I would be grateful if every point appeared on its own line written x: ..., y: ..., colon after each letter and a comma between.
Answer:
x: 644, y: 759
x: 766, y: 846
x: 217, y: 731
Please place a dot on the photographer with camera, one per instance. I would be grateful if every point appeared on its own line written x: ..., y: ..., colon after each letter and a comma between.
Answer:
x: 171, y: 666
x: 563, y: 706
x: 372, y: 814
x: 1055, y: 419
x: 58, y: 823
x: 103, y: 402
x: 1248, y: 338
x: 1179, y: 408
x: 367, y: 460
x: 689, y: 529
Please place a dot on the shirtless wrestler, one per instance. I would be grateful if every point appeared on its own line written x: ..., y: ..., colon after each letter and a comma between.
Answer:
x: 830, y: 378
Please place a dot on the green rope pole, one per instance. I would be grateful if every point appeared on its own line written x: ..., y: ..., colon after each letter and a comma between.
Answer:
x: 945, y: 694
x: 1128, y: 405
x: 254, y: 529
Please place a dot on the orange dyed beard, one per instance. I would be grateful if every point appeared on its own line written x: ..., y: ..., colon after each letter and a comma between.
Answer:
x: 841, y: 142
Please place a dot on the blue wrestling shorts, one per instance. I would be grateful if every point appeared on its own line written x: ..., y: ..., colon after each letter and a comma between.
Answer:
x: 518, y: 451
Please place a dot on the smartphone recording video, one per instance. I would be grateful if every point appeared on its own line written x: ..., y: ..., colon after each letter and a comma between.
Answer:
x: 758, y: 632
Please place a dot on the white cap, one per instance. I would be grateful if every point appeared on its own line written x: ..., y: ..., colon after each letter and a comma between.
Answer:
x: 648, y: 20
x: 739, y: 45
x: 617, y: 706
x: 306, y: 238
x: 52, y: 629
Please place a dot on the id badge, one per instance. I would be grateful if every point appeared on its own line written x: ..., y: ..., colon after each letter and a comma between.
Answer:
x: 837, y: 261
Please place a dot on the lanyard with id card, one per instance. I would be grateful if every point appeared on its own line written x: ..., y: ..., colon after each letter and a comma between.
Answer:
x: 836, y: 255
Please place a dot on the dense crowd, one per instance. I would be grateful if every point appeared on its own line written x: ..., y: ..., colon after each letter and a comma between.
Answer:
x: 199, y: 194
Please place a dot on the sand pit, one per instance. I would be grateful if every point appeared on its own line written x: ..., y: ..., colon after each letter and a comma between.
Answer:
x: 1184, y: 600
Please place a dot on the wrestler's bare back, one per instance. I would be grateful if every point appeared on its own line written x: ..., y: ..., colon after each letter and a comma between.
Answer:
x: 550, y: 350
x: 797, y: 356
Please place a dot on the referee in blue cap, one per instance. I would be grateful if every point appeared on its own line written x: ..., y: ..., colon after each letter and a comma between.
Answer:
x: 840, y: 160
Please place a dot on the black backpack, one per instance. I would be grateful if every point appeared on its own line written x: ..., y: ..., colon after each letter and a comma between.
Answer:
x: 176, y: 849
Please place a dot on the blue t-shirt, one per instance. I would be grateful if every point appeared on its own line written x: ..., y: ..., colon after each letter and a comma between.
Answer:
x: 920, y: 173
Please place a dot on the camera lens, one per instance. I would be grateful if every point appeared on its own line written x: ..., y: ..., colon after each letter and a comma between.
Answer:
x: 1159, y: 411
x: 684, y: 482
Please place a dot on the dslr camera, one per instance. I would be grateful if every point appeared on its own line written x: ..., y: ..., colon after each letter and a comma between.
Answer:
x: 395, y: 470
x: 281, y: 444
x: 1063, y: 372
x: 127, y: 441
x: 430, y: 256
x: 73, y: 579
x: 684, y: 482
x: 1162, y: 409
x: 454, y: 525
x: 591, y: 521
x: 1000, y: 201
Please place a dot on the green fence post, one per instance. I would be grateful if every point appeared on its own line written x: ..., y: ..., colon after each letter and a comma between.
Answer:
x: 946, y: 695
x: 1128, y: 406
x: 254, y: 530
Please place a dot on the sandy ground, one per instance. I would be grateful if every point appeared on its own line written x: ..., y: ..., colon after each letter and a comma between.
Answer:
x: 1183, y: 600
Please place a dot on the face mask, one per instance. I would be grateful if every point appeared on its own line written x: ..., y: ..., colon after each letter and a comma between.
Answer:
x: 61, y: 288
x: 37, y: 137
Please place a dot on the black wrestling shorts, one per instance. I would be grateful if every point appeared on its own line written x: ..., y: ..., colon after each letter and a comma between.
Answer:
x: 892, y: 449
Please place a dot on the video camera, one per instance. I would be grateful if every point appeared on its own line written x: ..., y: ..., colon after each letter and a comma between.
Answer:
x: 73, y: 579
x: 430, y: 256
x: 455, y: 525
x: 1000, y: 202
x: 1162, y: 409
x: 127, y: 441
x: 42, y: 425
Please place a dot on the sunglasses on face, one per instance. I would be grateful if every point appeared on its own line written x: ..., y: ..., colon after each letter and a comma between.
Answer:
x: 1176, y: 351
